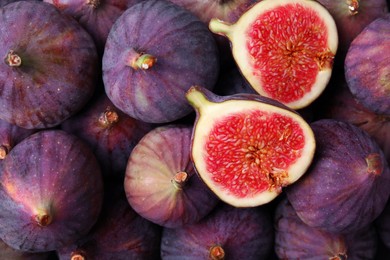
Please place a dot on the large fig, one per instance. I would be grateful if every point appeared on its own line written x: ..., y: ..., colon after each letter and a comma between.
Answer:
x: 51, y: 192
x: 347, y: 184
x: 48, y: 67
x: 154, y: 53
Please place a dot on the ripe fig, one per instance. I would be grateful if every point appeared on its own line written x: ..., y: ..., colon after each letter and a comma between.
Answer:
x: 346, y: 186
x: 284, y: 48
x: 49, y: 65
x: 110, y: 133
x: 246, y: 147
x: 296, y: 240
x: 154, y: 52
x: 226, y: 233
x: 368, y: 75
x: 161, y: 184
x: 51, y: 192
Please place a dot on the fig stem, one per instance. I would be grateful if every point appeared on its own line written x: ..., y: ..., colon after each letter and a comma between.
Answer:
x: 180, y: 179
x: 12, y: 59
x: 353, y: 6
x: 43, y: 217
x: 144, y: 61
x: 374, y: 163
x: 217, y: 253
x: 108, y: 117
x: 77, y: 256
x: 4, y: 150
x: 94, y: 3
x: 197, y: 98
x: 220, y: 27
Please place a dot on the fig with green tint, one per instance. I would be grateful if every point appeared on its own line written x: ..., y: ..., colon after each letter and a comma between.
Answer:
x: 246, y: 147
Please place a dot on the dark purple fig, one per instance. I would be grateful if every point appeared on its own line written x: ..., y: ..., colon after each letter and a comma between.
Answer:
x: 368, y: 75
x: 111, y: 134
x: 351, y: 16
x: 96, y: 16
x: 120, y: 233
x: 10, y: 135
x: 5, y: 2
x: 161, y: 183
x: 51, y: 192
x: 226, y: 233
x: 346, y: 186
x: 154, y: 53
x: 247, y: 147
x: 296, y: 240
x: 48, y: 67
x: 9, y: 253
x: 383, y: 225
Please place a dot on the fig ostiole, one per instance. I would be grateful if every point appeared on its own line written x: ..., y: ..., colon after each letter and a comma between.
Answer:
x: 246, y: 148
x: 285, y: 49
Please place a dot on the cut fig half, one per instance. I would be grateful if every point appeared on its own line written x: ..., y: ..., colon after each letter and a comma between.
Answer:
x: 284, y: 48
x: 247, y: 147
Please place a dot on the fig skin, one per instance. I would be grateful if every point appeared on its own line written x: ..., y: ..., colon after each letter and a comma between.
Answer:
x: 178, y: 51
x: 55, y: 75
x: 346, y: 186
x: 242, y: 233
x: 120, y: 233
x: 51, y: 192
x: 110, y: 133
x: 368, y: 75
x: 296, y: 240
x: 96, y: 16
x: 161, y: 184
x: 9, y: 253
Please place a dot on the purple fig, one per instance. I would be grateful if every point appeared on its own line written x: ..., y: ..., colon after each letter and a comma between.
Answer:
x: 51, y: 192
x: 9, y: 253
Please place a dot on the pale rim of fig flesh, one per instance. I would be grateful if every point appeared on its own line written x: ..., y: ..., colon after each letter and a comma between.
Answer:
x: 284, y: 48
x: 245, y: 150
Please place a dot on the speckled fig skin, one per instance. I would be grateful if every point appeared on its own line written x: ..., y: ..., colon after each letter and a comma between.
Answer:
x: 182, y: 53
x: 346, y: 186
x: 55, y: 75
x: 119, y: 234
x: 110, y: 133
x: 96, y: 16
x: 161, y: 183
x: 51, y: 192
x: 368, y: 75
x: 296, y: 240
x: 226, y: 233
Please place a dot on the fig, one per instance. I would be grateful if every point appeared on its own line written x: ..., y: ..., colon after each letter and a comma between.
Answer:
x: 154, y: 52
x: 247, y: 147
x: 51, y: 192
x: 368, y: 75
x: 110, y: 133
x: 96, y: 16
x: 284, y: 48
x: 161, y: 184
x: 226, y: 233
x: 9, y: 253
x: 346, y: 186
x: 120, y: 233
x: 49, y: 65
x: 296, y: 240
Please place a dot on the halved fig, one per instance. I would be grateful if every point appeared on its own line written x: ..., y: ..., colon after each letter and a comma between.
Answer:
x: 284, y: 48
x: 246, y: 147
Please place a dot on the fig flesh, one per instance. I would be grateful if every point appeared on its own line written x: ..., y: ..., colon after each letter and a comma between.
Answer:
x: 51, y: 192
x: 246, y: 147
x: 161, y: 183
x: 284, y: 48
x: 346, y: 186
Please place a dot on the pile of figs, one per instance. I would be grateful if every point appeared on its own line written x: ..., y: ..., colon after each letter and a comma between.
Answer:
x: 192, y: 129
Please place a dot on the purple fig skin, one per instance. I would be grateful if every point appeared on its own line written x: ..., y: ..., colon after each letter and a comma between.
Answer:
x: 182, y: 52
x: 242, y: 233
x: 51, y: 192
x: 346, y: 186
x: 9, y: 253
x: 95, y: 16
x: 161, y: 184
x: 49, y: 65
x: 368, y: 75
x: 120, y: 233
x: 110, y: 133
x: 296, y: 240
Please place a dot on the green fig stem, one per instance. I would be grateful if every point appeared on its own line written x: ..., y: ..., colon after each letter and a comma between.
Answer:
x: 217, y: 253
x: 144, y: 62
x: 44, y: 217
x: 13, y: 59
x: 353, y: 6
x: 197, y: 98
x: 374, y: 164
x: 109, y: 117
x: 220, y: 27
x: 180, y: 179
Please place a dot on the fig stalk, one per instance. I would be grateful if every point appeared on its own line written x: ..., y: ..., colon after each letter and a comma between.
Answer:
x: 197, y: 98
x: 144, y: 61
x: 13, y: 59
x: 108, y: 117
x: 217, y: 253
x: 44, y: 217
x: 353, y: 6
x: 180, y: 179
x: 3, y: 151
x: 374, y: 164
